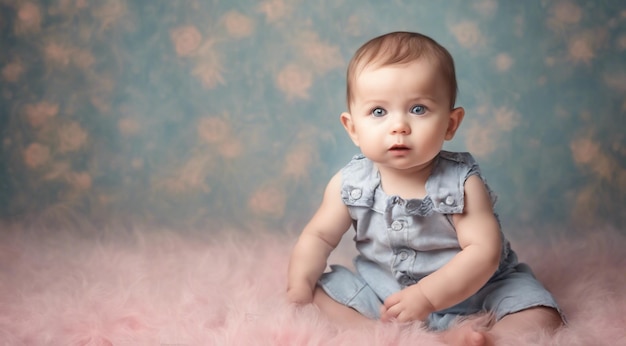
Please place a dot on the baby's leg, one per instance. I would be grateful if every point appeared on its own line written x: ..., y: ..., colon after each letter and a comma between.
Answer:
x: 533, y: 320
x: 537, y: 319
x: 338, y: 313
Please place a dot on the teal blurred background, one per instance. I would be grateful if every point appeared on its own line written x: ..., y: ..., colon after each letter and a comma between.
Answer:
x: 216, y: 114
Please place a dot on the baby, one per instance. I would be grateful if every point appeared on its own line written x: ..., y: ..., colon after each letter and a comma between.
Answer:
x: 430, y: 246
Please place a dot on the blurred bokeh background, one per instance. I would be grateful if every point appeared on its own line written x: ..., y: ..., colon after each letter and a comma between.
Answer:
x: 224, y: 114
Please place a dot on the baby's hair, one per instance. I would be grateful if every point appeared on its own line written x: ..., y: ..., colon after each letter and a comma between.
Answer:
x: 401, y: 48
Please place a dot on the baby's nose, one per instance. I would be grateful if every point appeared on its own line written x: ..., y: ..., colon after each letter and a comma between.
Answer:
x: 400, y: 125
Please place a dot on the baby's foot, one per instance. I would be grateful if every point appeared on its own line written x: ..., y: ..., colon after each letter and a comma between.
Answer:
x: 466, y: 336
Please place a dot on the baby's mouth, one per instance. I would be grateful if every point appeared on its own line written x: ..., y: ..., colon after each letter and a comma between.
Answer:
x: 399, y: 147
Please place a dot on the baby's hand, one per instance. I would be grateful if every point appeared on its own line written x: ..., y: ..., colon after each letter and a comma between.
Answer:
x: 408, y: 305
x: 300, y: 294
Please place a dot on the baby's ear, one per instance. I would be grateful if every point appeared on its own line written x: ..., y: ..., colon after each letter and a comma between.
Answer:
x: 348, y: 124
x: 456, y: 117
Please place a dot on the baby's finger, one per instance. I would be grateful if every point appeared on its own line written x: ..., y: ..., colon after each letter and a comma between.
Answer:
x: 390, y: 314
x: 392, y: 300
x: 404, y: 317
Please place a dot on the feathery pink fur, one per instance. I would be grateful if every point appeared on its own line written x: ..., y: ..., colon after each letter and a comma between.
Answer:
x: 227, y: 288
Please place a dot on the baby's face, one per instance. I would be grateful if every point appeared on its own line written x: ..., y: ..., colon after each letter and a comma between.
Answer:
x: 399, y: 114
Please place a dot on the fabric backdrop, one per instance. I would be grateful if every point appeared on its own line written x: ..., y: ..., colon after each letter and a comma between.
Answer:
x: 189, y: 113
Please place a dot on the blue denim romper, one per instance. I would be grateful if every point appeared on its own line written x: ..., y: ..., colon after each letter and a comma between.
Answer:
x: 400, y: 241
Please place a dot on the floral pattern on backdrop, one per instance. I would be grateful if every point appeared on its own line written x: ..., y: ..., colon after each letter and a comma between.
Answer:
x: 189, y: 113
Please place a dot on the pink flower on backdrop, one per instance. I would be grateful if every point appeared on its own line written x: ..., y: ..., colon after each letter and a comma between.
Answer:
x: 585, y: 204
x: 322, y: 56
x: 231, y: 148
x: 274, y: 10
x: 57, y: 54
x: 190, y: 177
x: 84, y: 59
x: 213, y: 129
x: 486, y: 8
x: 468, y: 35
x: 237, y: 24
x: 566, y: 12
x: 80, y: 3
x: 294, y: 82
x: 128, y: 126
x: 587, y: 152
x: 65, y: 8
x: 137, y: 163
x: 80, y: 180
x: 269, y: 201
x: 606, y: 168
x: 503, y: 62
x: 580, y: 49
x: 36, y: 155
x: 12, y: 71
x: 72, y: 137
x: 209, y: 72
x: 186, y: 40
x: 100, y: 102
x: 28, y: 18
x: 299, y: 160
x: 39, y: 113
x: 506, y: 119
x: 584, y: 150
x: 100, y: 94
x: 583, y: 46
x: 109, y: 12
x: 352, y: 26
x: 481, y: 140
x: 57, y: 170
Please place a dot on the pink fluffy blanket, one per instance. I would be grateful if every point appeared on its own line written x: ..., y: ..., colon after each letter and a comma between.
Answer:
x: 227, y: 288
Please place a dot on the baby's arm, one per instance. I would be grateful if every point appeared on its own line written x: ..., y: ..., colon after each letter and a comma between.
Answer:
x: 479, y: 236
x: 320, y: 236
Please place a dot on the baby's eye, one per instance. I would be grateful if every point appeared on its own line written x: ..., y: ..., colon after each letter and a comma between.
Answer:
x: 378, y: 112
x: 418, y: 109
